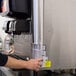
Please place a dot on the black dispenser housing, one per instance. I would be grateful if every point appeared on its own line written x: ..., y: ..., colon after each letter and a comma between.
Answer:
x: 20, y: 8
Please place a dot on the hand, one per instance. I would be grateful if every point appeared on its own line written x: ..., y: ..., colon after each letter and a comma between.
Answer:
x: 34, y: 64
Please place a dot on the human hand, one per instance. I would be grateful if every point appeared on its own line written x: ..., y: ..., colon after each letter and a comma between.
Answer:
x: 34, y: 64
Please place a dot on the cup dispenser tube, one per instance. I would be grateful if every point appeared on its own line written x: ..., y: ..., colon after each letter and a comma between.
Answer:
x: 38, y: 46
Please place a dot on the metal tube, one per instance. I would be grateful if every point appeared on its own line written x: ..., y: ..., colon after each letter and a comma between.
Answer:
x: 41, y: 23
x: 35, y: 14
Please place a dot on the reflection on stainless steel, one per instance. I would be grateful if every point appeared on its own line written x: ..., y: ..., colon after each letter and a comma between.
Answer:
x: 6, y: 71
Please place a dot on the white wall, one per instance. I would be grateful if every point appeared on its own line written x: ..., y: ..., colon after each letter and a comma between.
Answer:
x: 60, y: 32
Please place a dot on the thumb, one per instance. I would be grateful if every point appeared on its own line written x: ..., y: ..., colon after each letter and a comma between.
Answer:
x: 40, y: 59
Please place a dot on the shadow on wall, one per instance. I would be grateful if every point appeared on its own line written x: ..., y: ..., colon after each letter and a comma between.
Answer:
x: 44, y: 73
x: 51, y: 73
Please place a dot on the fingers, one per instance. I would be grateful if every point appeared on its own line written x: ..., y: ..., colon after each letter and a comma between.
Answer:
x: 39, y: 64
x: 38, y: 68
x: 40, y: 59
x: 35, y: 64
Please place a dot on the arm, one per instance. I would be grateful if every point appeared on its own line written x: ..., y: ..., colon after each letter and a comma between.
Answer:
x: 32, y: 64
